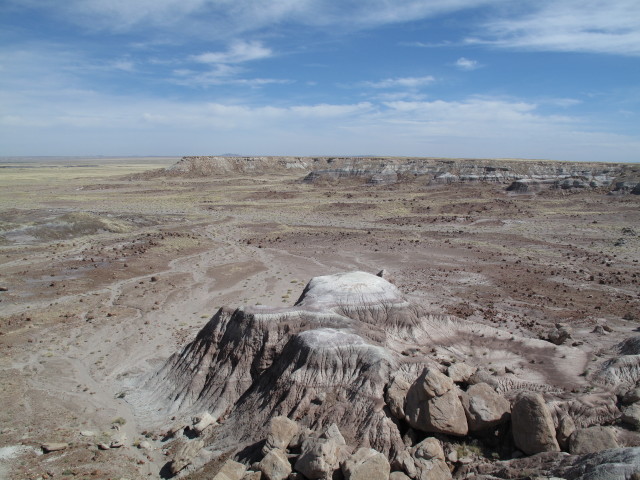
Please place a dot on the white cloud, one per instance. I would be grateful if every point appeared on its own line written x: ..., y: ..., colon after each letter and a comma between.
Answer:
x: 597, y: 26
x: 465, y: 64
x: 402, y: 82
x: 221, y: 18
x: 238, y: 52
x: 83, y: 122
x: 124, y: 65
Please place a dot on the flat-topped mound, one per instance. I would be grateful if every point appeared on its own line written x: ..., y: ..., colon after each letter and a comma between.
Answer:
x: 522, y: 175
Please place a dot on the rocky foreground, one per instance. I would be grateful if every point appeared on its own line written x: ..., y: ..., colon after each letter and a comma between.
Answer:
x: 356, y: 382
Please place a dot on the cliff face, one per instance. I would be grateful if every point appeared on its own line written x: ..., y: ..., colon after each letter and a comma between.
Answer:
x: 521, y: 175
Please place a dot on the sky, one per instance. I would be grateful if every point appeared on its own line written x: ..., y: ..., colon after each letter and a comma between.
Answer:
x: 553, y: 79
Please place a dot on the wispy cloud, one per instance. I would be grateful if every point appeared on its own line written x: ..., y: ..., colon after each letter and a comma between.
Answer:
x: 466, y: 64
x: 238, y: 52
x: 240, y: 16
x: 597, y: 26
x: 402, y: 82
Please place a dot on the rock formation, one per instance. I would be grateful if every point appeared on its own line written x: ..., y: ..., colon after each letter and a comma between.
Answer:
x: 521, y: 176
x: 327, y: 379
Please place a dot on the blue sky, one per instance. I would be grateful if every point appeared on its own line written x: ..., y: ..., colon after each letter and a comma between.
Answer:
x: 458, y: 78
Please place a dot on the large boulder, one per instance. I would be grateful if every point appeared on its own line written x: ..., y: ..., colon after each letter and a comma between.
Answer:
x: 275, y: 465
x: 429, y: 461
x: 281, y: 432
x: 366, y: 464
x: 592, y: 440
x: 185, y: 455
x: 484, y: 407
x: 320, y: 457
x: 432, y: 405
x: 532, y: 424
x: 230, y: 470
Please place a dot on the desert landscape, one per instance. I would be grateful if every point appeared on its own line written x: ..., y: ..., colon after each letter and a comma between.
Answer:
x: 310, y: 318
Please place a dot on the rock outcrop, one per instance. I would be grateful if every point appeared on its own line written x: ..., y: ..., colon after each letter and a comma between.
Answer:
x: 523, y: 176
x: 283, y: 376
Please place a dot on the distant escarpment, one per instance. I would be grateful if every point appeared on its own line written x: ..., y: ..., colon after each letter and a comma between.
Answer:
x: 353, y: 365
x: 520, y: 176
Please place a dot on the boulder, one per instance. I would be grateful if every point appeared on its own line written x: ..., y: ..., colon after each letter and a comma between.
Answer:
x: 366, y: 464
x: 185, y: 455
x: 54, y: 447
x: 395, y: 395
x: 250, y: 476
x: 398, y: 476
x: 631, y: 396
x: 560, y: 334
x: 566, y: 427
x: 275, y: 465
x: 432, y: 405
x: 429, y: 461
x: 532, y: 424
x: 203, y: 422
x: 460, y: 372
x: 281, y: 431
x: 592, y: 440
x: 631, y: 415
x: 484, y: 407
x: 332, y: 432
x: 231, y: 470
x: 319, y: 458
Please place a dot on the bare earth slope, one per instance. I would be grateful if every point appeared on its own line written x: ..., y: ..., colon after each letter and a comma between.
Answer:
x: 109, y: 275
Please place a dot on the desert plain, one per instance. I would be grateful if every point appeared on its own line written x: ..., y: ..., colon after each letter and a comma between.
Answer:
x: 109, y: 266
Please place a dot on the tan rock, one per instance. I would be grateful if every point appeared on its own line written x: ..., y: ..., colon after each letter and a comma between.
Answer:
x: 319, y: 458
x: 252, y: 476
x: 203, y: 422
x: 532, y: 425
x: 366, y: 464
x: 275, y: 465
x: 185, y: 455
x: 281, y: 431
x: 566, y: 427
x: 460, y: 372
x: 231, y: 470
x: 396, y: 394
x: 433, y: 405
x: 333, y: 433
x: 54, y: 447
x: 484, y: 407
x: 592, y: 440
x: 429, y: 463
x: 398, y: 476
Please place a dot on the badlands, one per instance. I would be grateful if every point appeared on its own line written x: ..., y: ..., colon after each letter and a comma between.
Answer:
x: 363, y: 318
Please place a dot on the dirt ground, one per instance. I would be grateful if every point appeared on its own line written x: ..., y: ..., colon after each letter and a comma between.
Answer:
x: 105, y: 273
